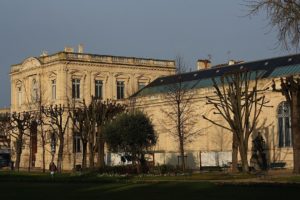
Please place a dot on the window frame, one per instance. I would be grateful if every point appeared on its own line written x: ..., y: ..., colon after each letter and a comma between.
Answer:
x: 53, y: 89
x: 120, y: 89
x: 19, y: 101
x: 98, y: 86
x: 76, y: 143
x: 284, y: 125
x: 76, y: 88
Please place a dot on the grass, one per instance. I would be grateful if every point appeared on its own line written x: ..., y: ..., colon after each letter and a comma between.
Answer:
x: 90, y: 186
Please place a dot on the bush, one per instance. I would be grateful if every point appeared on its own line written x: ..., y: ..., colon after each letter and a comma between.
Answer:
x: 119, y: 169
x: 164, y: 169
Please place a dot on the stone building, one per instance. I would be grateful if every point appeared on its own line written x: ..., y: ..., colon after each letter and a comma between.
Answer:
x: 67, y: 76
x: 214, y: 144
x: 70, y: 76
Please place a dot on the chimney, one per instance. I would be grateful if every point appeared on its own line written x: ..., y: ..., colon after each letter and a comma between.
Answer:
x: 69, y: 50
x: 203, y: 64
x: 80, y: 48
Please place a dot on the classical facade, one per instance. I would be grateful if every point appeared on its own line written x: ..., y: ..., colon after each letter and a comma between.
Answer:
x: 213, y: 145
x: 66, y: 77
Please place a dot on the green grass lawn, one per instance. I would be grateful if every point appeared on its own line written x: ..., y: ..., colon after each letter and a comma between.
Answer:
x: 66, y: 186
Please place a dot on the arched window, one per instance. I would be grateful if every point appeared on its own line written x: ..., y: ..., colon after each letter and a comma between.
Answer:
x: 284, y: 125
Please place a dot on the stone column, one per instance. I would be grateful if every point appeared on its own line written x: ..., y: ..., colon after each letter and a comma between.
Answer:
x: 88, y: 85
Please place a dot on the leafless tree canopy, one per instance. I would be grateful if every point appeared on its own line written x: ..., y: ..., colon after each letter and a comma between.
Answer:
x: 238, y: 100
x: 4, y: 129
x: 284, y: 15
x: 180, y: 113
x: 58, y: 119
x: 290, y: 88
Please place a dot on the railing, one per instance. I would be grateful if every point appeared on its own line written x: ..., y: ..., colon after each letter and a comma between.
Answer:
x: 107, y: 59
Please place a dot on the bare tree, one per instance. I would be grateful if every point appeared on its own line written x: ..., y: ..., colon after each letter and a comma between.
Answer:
x: 106, y: 111
x: 239, y: 102
x: 180, y: 116
x: 290, y: 88
x: 88, y: 121
x: 4, y: 130
x: 58, y: 117
x: 20, y: 122
x: 82, y: 126
x: 284, y: 15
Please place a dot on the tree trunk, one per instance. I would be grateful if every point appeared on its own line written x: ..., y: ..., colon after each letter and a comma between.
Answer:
x: 244, y: 157
x: 18, y: 152
x: 234, y: 167
x: 43, y: 149
x: 182, y: 155
x: 91, y: 155
x: 30, y: 153
x: 84, y: 151
x: 295, y: 110
x: 100, y: 155
x: 44, y: 155
x: 60, y: 154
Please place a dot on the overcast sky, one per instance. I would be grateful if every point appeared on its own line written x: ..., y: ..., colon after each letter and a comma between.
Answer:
x: 140, y: 28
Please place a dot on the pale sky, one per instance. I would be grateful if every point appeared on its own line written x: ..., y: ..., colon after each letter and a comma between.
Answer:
x: 159, y: 29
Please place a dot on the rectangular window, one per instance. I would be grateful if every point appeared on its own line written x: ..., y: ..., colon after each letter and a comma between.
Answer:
x: 76, y: 144
x: 98, y: 89
x: 141, y: 85
x: 76, y: 88
x: 19, y: 96
x: 120, y: 89
x: 35, y: 95
x: 53, y: 89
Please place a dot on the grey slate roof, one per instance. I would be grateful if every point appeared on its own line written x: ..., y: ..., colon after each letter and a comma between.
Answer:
x: 269, y: 68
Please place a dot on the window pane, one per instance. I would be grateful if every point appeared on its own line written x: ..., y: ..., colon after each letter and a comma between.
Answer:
x: 287, y: 132
x: 73, y: 89
x: 19, y: 96
x: 53, y: 89
x: 98, y: 89
x: 76, y: 88
x: 284, y: 128
x: 120, y: 90
x: 280, y: 131
x: 77, y: 91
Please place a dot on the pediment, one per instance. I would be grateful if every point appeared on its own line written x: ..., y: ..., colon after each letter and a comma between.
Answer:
x: 101, y: 75
x: 30, y: 63
x: 52, y: 75
x: 18, y: 83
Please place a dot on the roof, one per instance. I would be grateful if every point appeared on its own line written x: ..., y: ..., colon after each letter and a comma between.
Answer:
x: 268, y: 68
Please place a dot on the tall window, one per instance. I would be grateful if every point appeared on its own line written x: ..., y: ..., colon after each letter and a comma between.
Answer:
x: 53, y: 89
x: 34, y: 94
x: 76, y: 143
x: 98, y: 89
x: 75, y: 88
x: 284, y: 125
x: 120, y: 89
x: 19, y: 96
x: 141, y: 85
